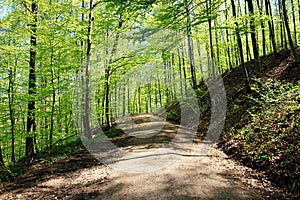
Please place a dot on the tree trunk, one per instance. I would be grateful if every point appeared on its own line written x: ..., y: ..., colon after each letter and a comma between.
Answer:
x: 228, y: 41
x: 108, y: 74
x: 262, y: 29
x: 282, y: 29
x: 253, y: 36
x: 184, y: 71
x: 299, y: 10
x: 271, y: 25
x: 12, y: 77
x: 294, y: 22
x: 31, y: 121
x: 128, y: 99
x: 87, y: 120
x: 293, y: 49
x: 124, y: 100
x: 247, y: 81
x: 208, y: 7
x: 190, y: 45
x: 139, y: 100
x: 53, y: 99
x: 180, y: 71
x: 2, y: 164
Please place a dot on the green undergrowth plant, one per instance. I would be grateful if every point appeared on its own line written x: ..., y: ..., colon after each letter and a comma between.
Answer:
x: 57, y: 152
x: 271, y: 138
x: 10, y: 172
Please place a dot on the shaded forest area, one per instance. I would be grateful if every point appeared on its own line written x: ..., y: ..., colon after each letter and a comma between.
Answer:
x: 265, y: 135
x: 49, y: 50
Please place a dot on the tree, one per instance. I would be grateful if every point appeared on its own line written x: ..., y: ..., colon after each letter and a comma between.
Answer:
x: 212, y: 55
x: 253, y: 35
x: 240, y: 46
x: 271, y: 25
x: 2, y: 164
x: 31, y: 122
x: 11, y: 84
x: 288, y: 31
x: 87, y: 121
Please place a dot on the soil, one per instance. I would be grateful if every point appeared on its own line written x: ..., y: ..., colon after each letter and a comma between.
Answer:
x: 191, y: 176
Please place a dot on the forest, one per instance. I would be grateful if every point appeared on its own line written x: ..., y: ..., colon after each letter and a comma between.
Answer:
x: 69, y: 67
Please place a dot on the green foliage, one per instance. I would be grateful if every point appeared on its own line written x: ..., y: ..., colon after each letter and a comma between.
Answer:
x: 113, y: 132
x: 271, y: 138
x: 10, y: 172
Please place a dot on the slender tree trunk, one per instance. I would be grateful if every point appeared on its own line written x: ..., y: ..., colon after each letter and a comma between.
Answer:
x: 87, y: 121
x: 116, y: 109
x: 53, y: 100
x: 139, y: 100
x: 159, y: 93
x: 165, y: 63
x: 128, y: 98
x: 247, y: 81
x: 262, y: 29
x: 228, y: 41
x: 180, y: 71
x: 124, y: 100
x: 184, y: 70
x: 282, y: 30
x: 294, y: 22
x: 31, y: 121
x: 208, y: 7
x: 83, y: 54
x: 253, y: 36
x: 150, y: 97
x: 108, y: 74
x: 298, y: 1
x: 2, y: 164
x: 200, y: 60
x: 285, y: 17
x: 248, y: 53
x: 298, y: 10
x: 217, y: 37
x: 271, y: 25
x: 190, y: 45
x: 12, y: 77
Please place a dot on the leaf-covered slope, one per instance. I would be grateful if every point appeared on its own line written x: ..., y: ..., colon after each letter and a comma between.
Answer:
x: 261, y: 127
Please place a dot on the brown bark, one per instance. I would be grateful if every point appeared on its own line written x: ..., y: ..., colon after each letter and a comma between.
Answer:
x: 253, y: 36
x: 31, y: 121
x: 2, y: 164
x: 240, y: 46
x: 288, y: 31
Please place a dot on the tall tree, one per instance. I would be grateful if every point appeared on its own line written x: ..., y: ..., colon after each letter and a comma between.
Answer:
x: 87, y: 114
x: 288, y: 31
x: 2, y: 164
x: 240, y: 46
x: 188, y: 7
x: 212, y: 55
x: 263, y: 39
x: 31, y: 121
x: 11, y: 91
x: 294, y: 22
x: 253, y: 35
x: 271, y: 25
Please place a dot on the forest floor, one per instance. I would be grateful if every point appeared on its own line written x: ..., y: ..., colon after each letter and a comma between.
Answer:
x: 191, y: 176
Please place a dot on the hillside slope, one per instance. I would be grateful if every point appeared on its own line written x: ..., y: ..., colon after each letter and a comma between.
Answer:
x: 261, y: 127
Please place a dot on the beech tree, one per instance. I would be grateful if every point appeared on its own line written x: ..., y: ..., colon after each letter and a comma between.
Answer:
x: 288, y: 31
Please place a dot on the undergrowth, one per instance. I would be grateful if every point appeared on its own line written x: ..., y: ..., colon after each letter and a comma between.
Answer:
x: 270, y: 140
x: 57, y: 152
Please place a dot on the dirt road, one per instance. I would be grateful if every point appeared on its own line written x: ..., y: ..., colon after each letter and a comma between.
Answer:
x: 190, y: 176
